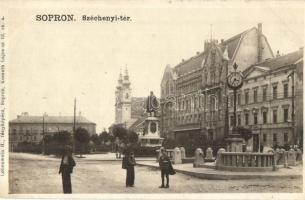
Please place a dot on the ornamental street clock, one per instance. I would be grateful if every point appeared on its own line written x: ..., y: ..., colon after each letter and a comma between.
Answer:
x: 235, y: 81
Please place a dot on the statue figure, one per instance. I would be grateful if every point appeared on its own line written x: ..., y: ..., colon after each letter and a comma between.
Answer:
x: 152, y: 104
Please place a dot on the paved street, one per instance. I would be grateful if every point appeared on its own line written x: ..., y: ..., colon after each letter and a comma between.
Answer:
x: 39, y: 174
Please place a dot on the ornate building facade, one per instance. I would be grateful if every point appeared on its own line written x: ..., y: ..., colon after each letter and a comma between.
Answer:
x: 195, y: 98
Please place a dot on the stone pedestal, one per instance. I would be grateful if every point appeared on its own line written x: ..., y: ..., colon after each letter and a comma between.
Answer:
x: 299, y: 156
x: 177, y: 156
x: 291, y: 158
x: 219, y: 160
x: 151, y: 136
x: 235, y: 143
x: 182, y: 150
x: 198, y: 158
x: 209, y: 155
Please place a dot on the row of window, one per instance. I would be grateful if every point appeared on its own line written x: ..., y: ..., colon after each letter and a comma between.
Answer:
x: 198, y: 102
x: 35, y: 131
x: 275, y: 138
x: 264, y: 117
x: 26, y: 138
x: 264, y: 96
x: 264, y: 114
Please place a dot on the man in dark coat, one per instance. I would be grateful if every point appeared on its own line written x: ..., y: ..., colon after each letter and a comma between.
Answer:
x: 66, y: 168
x: 165, y: 166
x: 128, y: 163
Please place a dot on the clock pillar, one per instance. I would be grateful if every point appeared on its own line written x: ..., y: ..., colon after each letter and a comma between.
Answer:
x: 234, y: 110
x: 234, y: 81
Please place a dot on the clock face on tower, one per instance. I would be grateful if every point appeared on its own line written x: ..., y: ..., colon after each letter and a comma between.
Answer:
x: 235, y: 80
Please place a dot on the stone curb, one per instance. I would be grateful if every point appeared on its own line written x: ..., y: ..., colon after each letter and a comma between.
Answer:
x: 211, y: 176
x: 110, y: 160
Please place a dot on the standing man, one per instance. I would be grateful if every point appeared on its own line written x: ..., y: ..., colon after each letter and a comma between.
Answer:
x: 128, y: 163
x: 66, y: 169
x: 165, y: 166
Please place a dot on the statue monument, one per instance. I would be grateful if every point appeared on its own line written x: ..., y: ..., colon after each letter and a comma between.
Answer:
x: 152, y: 105
x: 151, y: 135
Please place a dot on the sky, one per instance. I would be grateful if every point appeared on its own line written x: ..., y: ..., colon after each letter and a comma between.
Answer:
x: 52, y: 63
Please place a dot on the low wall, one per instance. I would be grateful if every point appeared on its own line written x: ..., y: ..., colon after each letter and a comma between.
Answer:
x: 245, y: 161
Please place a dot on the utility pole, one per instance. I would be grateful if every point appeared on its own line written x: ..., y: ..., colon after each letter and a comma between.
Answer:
x: 74, y: 120
x: 43, y: 137
x: 226, y: 125
x: 234, y: 110
x: 292, y: 109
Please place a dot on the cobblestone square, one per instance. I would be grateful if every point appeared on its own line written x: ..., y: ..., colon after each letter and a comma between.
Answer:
x: 39, y: 174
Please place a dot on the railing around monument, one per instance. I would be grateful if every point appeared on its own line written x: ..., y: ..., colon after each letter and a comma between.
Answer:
x: 245, y: 161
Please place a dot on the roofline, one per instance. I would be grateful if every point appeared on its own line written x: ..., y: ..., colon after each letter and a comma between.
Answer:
x: 268, y: 45
x: 240, y: 40
x: 270, y: 72
x: 178, y: 65
x: 258, y: 63
x: 52, y: 123
x: 235, y: 36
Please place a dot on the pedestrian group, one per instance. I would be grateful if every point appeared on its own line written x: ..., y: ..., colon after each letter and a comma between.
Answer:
x: 128, y: 163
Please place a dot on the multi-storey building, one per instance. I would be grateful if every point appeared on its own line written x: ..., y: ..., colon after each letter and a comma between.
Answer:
x: 267, y: 101
x: 28, y: 128
x: 194, y: 93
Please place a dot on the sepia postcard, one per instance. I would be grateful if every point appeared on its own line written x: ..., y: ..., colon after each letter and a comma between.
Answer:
x: 151, y: 99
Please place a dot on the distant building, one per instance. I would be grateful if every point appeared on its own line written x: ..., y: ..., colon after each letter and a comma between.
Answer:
x: 30, y: 128
x: 128, y: 109
x: 130, y: 113
x: 198, y: 90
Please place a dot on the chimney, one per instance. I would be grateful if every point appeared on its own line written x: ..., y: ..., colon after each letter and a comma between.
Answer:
x: 182, y: 60
x: 259, y: 42
x: 222, y: 41
x: 197, y: 53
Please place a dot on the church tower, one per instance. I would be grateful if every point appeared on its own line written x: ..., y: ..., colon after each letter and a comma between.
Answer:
x: 123, y: 99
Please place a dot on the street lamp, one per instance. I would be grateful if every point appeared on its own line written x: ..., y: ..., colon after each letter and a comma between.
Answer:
x: 291, y: 75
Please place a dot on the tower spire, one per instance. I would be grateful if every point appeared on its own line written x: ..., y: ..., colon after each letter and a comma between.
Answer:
x: 126, y: 76
x: 120, y: 76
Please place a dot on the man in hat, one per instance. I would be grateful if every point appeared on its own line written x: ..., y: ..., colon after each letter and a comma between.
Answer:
x: 128, y: 163
x: 66, y: 168
x: 165, y: 166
